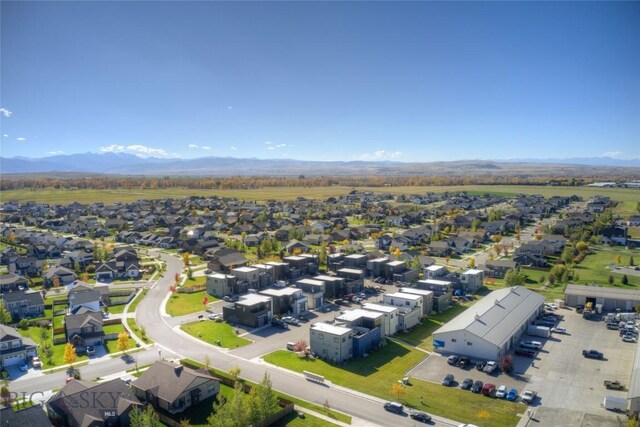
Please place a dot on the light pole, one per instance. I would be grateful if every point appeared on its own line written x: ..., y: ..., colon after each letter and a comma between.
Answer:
x: 160, y: 354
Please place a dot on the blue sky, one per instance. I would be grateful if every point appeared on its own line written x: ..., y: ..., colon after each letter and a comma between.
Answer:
x: 407, y: 81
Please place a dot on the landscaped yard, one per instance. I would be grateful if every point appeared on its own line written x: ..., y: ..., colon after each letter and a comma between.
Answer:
x: 212, y: 332
x: 422, y: 336
x: 136, y: 330
x: 377, y: 373
x: 33, y: 332
x: 180, y: 304
x: 195, y: 282
x: 112, y: 345
x: 594, y: 268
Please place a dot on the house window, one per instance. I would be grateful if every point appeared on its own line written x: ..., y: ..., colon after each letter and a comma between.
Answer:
x: 211, y: 388
x: 320, y: 336
x: 454, y: 340
x: 469, y: 343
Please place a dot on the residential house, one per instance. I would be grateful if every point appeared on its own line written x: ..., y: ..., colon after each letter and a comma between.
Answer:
x: 106, y: 403
x: 85, y: 328
x: 64, y: 275
x: 410, y: 308
x: 296, y: 247
x: 367, y: 329
x: 329, y: 342
x: 12, y: 282
x: 440, y: 248
x: 220, y: 285
x: 174, y: 388
x: 287, y: 300
x: 390, y: 325
x: 613, y: 235
x: 83, y: 295
x: 472, y: 280
x: 427, y: 298
x: 32, y: 416
x: 498, y: 268
x: 334, y: 286
x: 252, y: 310
x: 314, y: 291
x: 14, y: 348
x: 23, y: 304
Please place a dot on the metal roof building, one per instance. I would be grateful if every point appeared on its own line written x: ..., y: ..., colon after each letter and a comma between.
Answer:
x: 488, y: 329
x: 610, y: 298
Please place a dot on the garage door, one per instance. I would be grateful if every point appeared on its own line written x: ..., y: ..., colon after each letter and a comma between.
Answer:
x: 12, y: 360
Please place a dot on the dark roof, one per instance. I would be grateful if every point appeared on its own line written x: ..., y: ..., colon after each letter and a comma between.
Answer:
x: 82, y: 293
x: 8, y: 333
x: 10, y: 279
x: 77, y: 321
x: 58, y: 271
x: 33, y: 416
x: 168, y: 381
x: 33, y: 297
x: 235, y: 258
x: 117, y: 397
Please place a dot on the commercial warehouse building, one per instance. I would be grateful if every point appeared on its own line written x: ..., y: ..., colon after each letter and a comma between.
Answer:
x: 610, y: 298
x: 491, y: 327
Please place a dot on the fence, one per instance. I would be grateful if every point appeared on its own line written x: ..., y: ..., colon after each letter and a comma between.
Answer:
x: 192, y: 290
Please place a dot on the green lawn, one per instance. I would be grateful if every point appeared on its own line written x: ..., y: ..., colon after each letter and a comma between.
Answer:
x: 421, y: 336
x: 33, y: 332
x: 117, y: 309
x: 594, y: 268
x: 112, y: 345
x: 210, y: 331
x: 195, y: 282
x: 293, y: 420
x: 182, y: 303
x: 377, y: 373
x: 136, y: 330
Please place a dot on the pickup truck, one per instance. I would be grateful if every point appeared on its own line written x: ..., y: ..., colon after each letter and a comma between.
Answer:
x: 528, y: 396
x: 613, y: 385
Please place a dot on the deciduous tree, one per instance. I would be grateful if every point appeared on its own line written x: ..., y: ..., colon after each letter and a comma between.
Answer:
x: 123, y: 342
x: 69, y: 357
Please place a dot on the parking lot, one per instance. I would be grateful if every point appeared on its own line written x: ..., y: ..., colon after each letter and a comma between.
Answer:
x: 561, y: 376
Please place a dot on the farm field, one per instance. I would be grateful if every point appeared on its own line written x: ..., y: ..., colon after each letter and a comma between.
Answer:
x: 629, y: 197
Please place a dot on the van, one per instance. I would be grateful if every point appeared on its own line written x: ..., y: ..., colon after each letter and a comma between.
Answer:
x: 291, y: 346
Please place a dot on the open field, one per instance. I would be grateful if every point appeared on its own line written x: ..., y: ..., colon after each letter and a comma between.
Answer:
x: 366, y: 376
x: 628, y: 196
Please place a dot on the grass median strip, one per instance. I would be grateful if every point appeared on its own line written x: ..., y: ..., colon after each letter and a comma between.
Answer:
x: 377, y: 373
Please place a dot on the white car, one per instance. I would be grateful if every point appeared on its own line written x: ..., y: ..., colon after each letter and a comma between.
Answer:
x: 35, y: 361
x: 529, y: 343
x: 290, y: 320
x: 559, y: 330
x: 490, y: 367
x: 214, y: 316
x: 629, y: 338
x: 551, y: 306
x: 23, y: 367
x: 527, y: 396
x: 502, y: 391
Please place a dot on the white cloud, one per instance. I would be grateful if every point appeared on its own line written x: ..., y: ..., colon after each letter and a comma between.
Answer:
x: 232, y: 148
x: 5, y: 112
x: 55, y: 153
x: 193, y: 146
x: 229, y: 107
x: 138, y: 150
x: 5, y: 135
x: 271, y: 148
x: 268, y: 142
x: 282, y: 145
x: 613, y: 154
x: 21, y: 138
x: 381, y: 155
x: 204, y: 147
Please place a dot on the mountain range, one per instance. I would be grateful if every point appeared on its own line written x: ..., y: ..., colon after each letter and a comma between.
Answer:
x: 128, y: 164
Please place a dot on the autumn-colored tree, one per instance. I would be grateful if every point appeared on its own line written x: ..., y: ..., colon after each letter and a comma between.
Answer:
x: 185, y: 258
x: 582, y: 246
x: 618, y: 260
x: 84, y: 277
x: 176, y: 277
x: 300, y: 345
x: 397, y: 252
x: 472, y: 262
x: 447, y: 259
x: 496, y: 238
x: 69, y: 356
x: 123, y: 342
x: 205, y: 300
x: 398, y: 391
x: 55, y: 281
x: 235, y: 372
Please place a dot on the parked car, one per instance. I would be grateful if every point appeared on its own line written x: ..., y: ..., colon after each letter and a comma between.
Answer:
x: 291, y: 346
x: 35, y: 361
x: 613, y: 385
x: 613, y: 325
x: 208, y: 271
x: 629, y: 338
x: 23, y: 366
x: 490, y: 367
x: 214, y: 316
x: 592, y: 354
x: 489, y: 390
x: 420, y: 416
x: 463, y: 362
x: 227, y: 298
x: 530, y: 343
x: 91, y: 350
x: 501, y: 392
x: 447, y: 380
x: 279, y: 323
x: 466, y: 384
x: 291, y: 320
x: 528, y: 396
x: 579, y: 308
x: 526, y: 353
x: 452, y: 360
x: 559, y: 330
x: 512, y: 395
x: 551, y: 306
x: 480, y: 365
x: 477, y: 387
x: 394, y: 407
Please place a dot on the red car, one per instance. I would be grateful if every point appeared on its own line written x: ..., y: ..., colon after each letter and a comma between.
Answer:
x: 489, y: 390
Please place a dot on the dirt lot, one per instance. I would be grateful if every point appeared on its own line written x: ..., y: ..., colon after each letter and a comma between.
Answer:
x: 560, y: 374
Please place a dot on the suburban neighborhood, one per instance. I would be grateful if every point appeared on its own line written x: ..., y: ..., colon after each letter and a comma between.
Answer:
x: 441, y: 292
